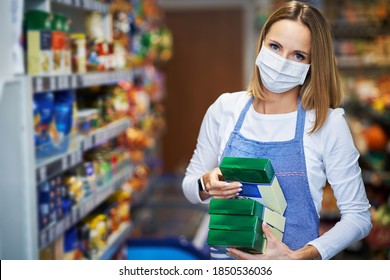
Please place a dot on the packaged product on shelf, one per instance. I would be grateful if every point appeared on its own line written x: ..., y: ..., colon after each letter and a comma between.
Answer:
x: 84, y: 234
x: 75, y: 189
x: 79, y: 52
x: 46, y: 205
x: 58, y: 198
x: 38, y: 44
x: 59, y: 248
x: 97, y: 233
x: 48, y: 253
x: 72, y: 245
x: 94, y: 25
x: 36, y: 122
x: 65, y: 107
x: 87, y: 120
x: 45, y: 128
x: 86, y: 174
x: 67, y: 54
x: 97, y: 46
x: 53, y: 122
x: 58, y: 44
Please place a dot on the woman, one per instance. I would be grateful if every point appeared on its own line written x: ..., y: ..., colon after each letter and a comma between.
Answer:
x: 289, y: 115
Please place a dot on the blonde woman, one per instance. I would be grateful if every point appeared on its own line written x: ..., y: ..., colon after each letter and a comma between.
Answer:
x: 290, y: 115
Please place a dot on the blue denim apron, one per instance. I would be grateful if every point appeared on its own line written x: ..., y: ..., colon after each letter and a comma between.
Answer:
x: 288, y: 161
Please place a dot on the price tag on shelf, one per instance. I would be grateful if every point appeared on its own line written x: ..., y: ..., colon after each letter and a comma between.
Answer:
x: 88, y: 144
x: 64, y: 163
x: 75, y: 215
x: 100, y: 196
x: 74, y: 81
x: 73, y: 159
x: 87, y: 4
x: 38, y: 84
x: 52, y: 234
x: 42, y: 174
x: 98, y: 138
x: 63, y: 82
x: 79, y: 156
x: 43, y: 239
x: 91, y: 204
x: 60, y: 82
x: 111, y: 133
x: 67, y: 221
x: 60, y: 229
x: 53, y: 83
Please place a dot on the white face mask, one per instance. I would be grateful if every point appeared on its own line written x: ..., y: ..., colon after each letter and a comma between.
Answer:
x: 278, y: 74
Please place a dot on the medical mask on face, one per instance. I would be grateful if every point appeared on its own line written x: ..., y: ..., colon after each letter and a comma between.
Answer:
x: 278, y: 74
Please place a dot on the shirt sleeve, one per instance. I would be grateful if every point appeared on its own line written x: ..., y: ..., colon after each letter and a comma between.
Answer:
x: 340, y: 158
x: 205, y: 156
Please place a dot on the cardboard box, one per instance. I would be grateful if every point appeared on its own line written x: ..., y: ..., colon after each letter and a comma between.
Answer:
x: 239, y: 211
x: 236, y: 222
x: 248, y: 241
x: 241, y: 206
x: 272, y: 196
x: 249, y: 170
x: 258, y: 179
x: 38, y: 43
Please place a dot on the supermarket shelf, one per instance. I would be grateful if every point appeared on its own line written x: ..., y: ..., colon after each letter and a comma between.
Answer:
x: 58, y: 164
x: 53, y: 231
x: 359, y: 30
x: 61, y: 82
x: 115, y: 241
x: 359, y: 65
x: 89, y: 5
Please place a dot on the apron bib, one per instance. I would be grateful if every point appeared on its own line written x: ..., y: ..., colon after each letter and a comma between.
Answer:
x: 288, y: 161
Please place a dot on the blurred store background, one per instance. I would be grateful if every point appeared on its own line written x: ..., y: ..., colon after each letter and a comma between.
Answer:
x: 100, y: 107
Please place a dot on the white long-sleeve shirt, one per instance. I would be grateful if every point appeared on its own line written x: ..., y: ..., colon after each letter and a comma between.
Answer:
x: 330, y: 155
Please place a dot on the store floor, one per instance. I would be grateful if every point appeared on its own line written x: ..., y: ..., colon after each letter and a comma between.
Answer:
x: 167, y: 226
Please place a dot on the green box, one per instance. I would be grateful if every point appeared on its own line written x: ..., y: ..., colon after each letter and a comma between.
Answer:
x: 249, y: 170
x: 235, y: 222
x: 248, y: 241
x: 240, y: 208
x: 243, y: 206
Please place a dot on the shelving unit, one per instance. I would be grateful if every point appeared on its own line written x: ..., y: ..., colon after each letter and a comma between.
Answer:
x: 53, y: 231
x: 53, y: 166
x: 361, y: 33
x: 21, y: 172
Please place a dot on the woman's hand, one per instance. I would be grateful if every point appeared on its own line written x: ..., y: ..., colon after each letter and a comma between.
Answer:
x: 276, y: 250
x: 217, y: 188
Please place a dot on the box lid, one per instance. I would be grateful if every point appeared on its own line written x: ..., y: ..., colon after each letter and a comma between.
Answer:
x: 251, y: 170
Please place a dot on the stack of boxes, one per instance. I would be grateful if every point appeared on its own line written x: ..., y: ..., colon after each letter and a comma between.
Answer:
x: 238, y: 222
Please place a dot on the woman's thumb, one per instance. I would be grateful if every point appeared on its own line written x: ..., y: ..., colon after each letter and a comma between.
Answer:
x: 267, y: 231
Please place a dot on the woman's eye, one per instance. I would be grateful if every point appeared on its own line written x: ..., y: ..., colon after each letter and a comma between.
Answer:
x: 299, y: 57
x: 274, y: 47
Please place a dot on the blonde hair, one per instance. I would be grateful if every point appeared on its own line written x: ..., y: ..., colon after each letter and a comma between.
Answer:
x: 321, y: 89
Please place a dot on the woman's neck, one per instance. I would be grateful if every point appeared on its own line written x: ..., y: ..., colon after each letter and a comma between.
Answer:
x: 277, y: 103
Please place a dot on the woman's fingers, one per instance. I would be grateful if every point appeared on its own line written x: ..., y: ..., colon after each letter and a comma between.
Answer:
x: 238, y: 254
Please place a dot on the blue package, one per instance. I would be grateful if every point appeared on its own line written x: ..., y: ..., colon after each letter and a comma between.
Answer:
x: 64, y: 101
x: 36, y: 123
x: 44, y: 103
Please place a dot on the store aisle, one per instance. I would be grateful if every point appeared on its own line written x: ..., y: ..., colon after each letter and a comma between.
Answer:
x: 166, y: 225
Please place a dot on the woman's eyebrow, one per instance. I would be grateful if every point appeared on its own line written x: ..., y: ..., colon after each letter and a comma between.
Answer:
x: 280, y: 45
